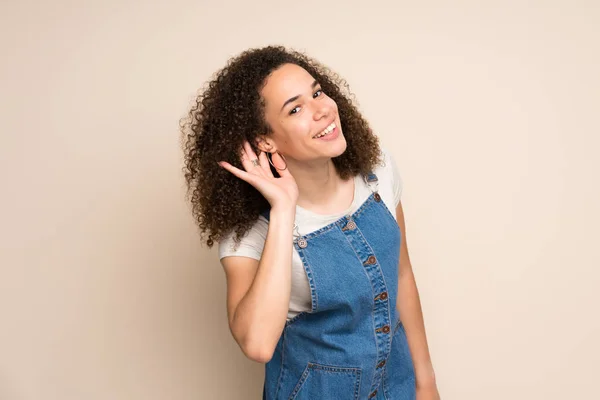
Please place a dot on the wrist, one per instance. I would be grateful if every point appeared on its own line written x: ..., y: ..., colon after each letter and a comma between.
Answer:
x: 287, y: 210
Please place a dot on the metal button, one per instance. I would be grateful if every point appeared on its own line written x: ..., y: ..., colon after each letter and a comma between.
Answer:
x: 384, y: 329
x: 351, y: 225
x: 381, y: 296
x: 381, y: 364
x: 377, y: 197
x: 373, y: 394
x: 302, y: 243
x: 371, y: 260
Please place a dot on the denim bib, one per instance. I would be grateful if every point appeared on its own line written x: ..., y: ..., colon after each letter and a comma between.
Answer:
x: 351, y: 345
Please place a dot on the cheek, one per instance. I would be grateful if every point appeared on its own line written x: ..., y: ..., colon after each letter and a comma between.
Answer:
x: 333, y: 104
x: 297, y: 126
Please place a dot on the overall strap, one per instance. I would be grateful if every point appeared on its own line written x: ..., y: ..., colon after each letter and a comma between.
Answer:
x: 372, y: 181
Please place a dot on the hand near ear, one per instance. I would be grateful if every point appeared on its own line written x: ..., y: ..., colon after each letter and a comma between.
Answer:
x: 280, y: 192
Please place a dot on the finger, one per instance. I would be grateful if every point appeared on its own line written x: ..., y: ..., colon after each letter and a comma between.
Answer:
x: 248, y: 156
x: 264, y: 163
x: 280, y: 164
x: 246, y: 176
x: 251, y: 156
x: 245, y: 159
x: 249, y: 150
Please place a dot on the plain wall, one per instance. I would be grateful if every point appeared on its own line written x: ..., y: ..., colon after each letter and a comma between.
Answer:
x: 490, y: 108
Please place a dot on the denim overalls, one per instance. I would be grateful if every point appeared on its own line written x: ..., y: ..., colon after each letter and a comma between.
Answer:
x: 351, y: 345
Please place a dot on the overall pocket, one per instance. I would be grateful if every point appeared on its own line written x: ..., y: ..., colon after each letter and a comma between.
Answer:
x: 327, y: 382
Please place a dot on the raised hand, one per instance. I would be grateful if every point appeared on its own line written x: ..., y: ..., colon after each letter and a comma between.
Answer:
x: 280, y: 192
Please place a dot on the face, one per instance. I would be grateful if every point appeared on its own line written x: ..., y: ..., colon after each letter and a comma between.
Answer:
x: 304, y: 120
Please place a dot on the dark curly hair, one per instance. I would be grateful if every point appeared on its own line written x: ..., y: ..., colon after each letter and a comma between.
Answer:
x: 229, y: 111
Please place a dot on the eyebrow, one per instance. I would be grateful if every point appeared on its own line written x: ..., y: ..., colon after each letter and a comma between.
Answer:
x: 292, y: 99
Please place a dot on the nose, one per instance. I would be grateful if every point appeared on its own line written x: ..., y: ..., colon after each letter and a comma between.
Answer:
x: 322, y: 109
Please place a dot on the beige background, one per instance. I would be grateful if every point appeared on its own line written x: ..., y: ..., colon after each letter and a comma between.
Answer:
x: 490, y: 107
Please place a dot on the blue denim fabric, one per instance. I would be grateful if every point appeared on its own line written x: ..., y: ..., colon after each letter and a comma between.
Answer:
x: 351, y: 345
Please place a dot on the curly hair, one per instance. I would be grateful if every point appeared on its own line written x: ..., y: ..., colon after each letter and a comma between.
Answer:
x: 228, y: 111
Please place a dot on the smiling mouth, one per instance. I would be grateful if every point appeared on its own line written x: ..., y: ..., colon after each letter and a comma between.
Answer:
x: 326, y: 131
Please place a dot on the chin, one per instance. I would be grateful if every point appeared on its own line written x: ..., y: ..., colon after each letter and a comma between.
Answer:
x: 339, y: 147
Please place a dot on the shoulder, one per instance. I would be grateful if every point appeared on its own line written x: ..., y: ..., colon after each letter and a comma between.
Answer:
x: 251, y: 244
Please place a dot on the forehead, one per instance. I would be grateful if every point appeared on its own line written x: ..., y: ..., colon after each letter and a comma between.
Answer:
x: 286, y: 81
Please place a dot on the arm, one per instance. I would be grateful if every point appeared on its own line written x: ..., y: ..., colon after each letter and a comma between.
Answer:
x: 409, y: 306
x: 258, y: 292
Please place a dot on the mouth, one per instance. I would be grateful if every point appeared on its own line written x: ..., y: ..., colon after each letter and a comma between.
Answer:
x: 327, y: 131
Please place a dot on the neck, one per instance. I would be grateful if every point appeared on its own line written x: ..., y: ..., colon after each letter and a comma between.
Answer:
x: 318, y: 183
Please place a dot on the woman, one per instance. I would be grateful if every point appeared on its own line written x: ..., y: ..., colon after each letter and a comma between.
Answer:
x: 286, y: 175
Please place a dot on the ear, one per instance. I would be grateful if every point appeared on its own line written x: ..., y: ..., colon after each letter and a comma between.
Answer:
x: 265, y: 144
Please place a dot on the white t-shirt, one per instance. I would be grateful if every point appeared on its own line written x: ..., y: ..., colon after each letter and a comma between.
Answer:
x: 252, y: 244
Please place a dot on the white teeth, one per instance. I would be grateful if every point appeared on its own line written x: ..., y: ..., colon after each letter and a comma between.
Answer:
x: 326, y: 130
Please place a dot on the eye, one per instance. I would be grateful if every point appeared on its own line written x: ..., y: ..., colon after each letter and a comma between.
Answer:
x: 318, y: 93
x: 295, y: 110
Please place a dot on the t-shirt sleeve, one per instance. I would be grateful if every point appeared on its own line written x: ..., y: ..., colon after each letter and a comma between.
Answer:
x: 397, y: 183
x: 251, y: 245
